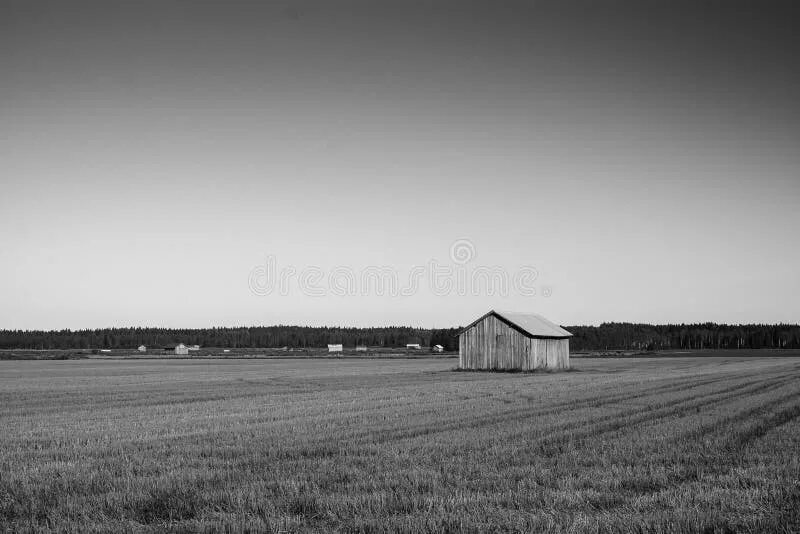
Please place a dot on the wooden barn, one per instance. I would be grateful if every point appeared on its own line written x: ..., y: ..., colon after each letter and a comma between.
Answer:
x: 513, y: 341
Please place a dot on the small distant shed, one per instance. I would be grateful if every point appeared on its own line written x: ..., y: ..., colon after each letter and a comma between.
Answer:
x: 413, y: 346
x: 361, y: 348
x: 438, y: 348
x: 513, y: 341
x: 335, y: 348
x: 194, y: 347
x: 181, y: 349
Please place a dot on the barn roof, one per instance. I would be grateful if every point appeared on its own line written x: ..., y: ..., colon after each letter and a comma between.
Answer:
x: 530, y: 324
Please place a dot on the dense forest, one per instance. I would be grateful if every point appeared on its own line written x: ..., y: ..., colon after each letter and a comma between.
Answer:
x: 607, y: 336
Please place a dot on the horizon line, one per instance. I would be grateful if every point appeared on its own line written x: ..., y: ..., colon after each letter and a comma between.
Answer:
x: 280, y: 325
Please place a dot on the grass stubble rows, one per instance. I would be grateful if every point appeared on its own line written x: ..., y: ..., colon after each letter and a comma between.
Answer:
x: 650, y: 445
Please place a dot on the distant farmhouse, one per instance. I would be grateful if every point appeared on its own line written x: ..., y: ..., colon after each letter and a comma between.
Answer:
x: 193, y: 347
x: 181, y: 349
x: 361, y: 348
x: 413, y: 346
x: 513, y: 341
x: 335, y: 348
x: 142, y: 348
x: 438, y: 348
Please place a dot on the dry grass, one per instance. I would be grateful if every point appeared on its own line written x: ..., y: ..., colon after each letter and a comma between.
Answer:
x: 647, y: 445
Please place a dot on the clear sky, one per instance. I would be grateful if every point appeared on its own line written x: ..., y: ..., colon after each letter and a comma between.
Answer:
x: 641, y: 156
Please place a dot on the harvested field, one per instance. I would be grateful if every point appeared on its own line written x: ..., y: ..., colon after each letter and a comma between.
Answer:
x: 650, y: 444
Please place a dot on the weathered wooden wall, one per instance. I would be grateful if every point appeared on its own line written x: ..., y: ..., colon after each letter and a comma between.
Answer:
x: 492, y: 344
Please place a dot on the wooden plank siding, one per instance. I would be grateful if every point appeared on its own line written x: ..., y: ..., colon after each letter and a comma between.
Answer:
x: 493, y: 344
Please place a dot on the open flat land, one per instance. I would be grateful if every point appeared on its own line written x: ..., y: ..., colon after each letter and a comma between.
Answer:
x: 650, y: 444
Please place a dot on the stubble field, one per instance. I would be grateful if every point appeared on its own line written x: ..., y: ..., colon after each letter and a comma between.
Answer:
x: 649, y: 445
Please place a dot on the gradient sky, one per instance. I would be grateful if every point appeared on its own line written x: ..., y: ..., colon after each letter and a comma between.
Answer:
x: 642, y: 156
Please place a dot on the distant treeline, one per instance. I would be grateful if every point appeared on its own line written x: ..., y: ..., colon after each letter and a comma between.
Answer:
x: 607, y: 336
x: 632, y: 336
x: 249, y: 337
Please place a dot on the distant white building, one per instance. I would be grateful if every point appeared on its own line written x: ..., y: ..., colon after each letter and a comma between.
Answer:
x: 414, y: 346
x: 194, y: 347
x: 335, y: 348
x: 361, y: 348
x: 438, y: 348
x: 142, y: 348
x: 182, y: 349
